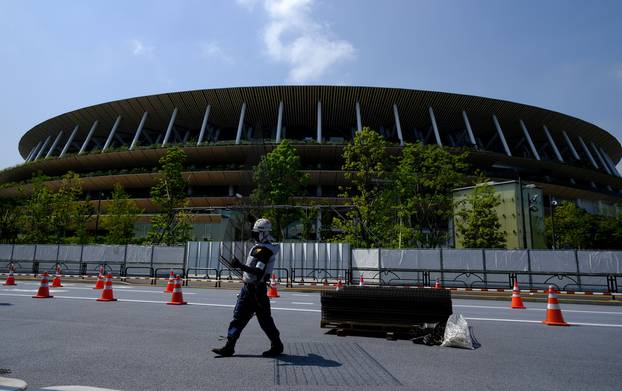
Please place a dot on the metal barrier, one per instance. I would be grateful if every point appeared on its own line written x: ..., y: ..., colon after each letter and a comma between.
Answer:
x: 280, y: 270
x: 124, y: 272
x: 154, y: 279
x: 207, y: 270
x: 487, y: 279
x: 298, y: 275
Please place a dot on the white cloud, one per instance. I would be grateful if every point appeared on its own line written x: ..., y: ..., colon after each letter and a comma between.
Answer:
x: 140, y: 49
x: 250, y: 4
x: 294, y: 37
x: 212, y: 50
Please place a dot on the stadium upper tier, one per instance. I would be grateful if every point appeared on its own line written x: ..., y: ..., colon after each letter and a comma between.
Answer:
x: 220, y: 124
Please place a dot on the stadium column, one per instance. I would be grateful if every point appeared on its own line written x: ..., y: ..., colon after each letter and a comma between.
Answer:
x: 319, y: 121
x: 54, y: 144
x: 204, y: 124
x: 501, y: 136
x: 600, y: 158
x: 359, y: 123
x: 398, y: 125
x: 571, y: 146
x: 45, y: 144
x: 69, y: 141
x: 612, y: 165
x: 34, y: 152
x: 469, y: 129
x: 171, y: 123
x: 88, y: 138
x: 238, y: 136
x: 279, y: 123
x: 587, y: 152
x: 112, y: 132
x: 529, y: 141
x: 435, y: 127
x: 552, y: 142
x: 139, y: 130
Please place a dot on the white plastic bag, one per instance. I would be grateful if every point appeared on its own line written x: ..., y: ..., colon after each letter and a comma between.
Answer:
x: 457, y: 333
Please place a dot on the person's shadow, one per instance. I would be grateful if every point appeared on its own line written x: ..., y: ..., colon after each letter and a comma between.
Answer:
x: 286, y: 360
x: 310, y: 360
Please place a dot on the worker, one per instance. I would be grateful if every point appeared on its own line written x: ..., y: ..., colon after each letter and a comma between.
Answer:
x: 253, y: 298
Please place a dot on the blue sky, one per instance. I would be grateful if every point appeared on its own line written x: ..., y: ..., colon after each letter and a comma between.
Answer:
x: 62, y: 55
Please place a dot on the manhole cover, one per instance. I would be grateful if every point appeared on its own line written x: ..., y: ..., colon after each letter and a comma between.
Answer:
x: 323, y: 364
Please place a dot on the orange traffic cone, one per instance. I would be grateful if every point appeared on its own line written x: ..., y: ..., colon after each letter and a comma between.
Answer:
x: 361, y: 280
x: 517, y: 302
x: 554, y: 315
x: 272, y: 291
x: 437, y: 284
x: 10, y: 280
x: 339, y: 284
x: 107, y: 294
x: 56, y: 282
x: 170, y: 287
x: 44, y: 290
x: 177, y: 298
x: 100, y: 281
x: 325, y: 283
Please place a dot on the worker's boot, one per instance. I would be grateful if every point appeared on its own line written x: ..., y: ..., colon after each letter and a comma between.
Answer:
x: 276, y: 348
x: 228, y: 349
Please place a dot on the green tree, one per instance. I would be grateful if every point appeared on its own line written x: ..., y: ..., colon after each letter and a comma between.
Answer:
x: 424, y: 178
x: 574, y: 227
x: 121, y: 214
x: 171, y: 225
x: 35, y: 221
x: 277, y: 179
x: 477, y: 222
x: 368, y: 169
x: 607, y: 232
x: 10, y: 209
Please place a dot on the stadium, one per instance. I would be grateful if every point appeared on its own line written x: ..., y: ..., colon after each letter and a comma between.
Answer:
x: 225, y: 132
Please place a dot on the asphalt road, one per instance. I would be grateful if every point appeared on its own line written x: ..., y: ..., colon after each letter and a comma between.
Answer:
x: 138, y: 343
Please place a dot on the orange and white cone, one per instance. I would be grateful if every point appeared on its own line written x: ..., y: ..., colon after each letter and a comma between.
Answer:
x: 272, y: 291
x: 517, y: 302
x: 437, y: 284
x: 10, y: 280
x: 339, y: 284
x: 177, y: 298
x: 44, y: 290
x: 361, y: 280
x: 107, y: 294
x: 100, y: 282
x: 554, y: 315
x: 56, y: 282
x: 170, y: 287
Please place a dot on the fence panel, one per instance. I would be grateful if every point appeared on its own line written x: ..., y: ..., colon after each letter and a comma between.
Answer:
x: 506, y: 262
x: 469, y: 260
x: 598, y: 262
x: 6, y: 250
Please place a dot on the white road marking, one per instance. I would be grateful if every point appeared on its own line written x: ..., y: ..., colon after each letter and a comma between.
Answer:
x: 538, y: 309
x: 539, y: 321
x: 301, y: 302
x: 163, y: 302
x: 301, y: 294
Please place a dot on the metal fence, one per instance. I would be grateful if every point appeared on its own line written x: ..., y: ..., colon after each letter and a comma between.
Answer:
x: 575, y: 270
x: 302, y: 263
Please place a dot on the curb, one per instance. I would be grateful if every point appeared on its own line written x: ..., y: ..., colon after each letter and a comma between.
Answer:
x: 10, y: 384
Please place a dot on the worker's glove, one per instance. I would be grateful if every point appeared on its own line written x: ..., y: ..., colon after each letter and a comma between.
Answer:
x: 235, y: 263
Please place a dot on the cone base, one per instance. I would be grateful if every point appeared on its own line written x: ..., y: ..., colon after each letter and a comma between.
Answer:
x: 176, y: 303
x: 98, y: 288
x: 8, y: 284
x: 100, y: 299
x: 515, y: 307
x: 551, y: 323
x: 57, y: 286
x: 42, y: 297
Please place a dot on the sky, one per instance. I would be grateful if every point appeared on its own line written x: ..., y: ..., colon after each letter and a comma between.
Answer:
x: 61, y: 55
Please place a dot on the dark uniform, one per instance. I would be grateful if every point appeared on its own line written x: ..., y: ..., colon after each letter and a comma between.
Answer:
x: 253, y: 299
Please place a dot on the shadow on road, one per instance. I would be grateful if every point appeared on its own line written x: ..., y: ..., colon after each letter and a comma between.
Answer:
x: 310, y: 360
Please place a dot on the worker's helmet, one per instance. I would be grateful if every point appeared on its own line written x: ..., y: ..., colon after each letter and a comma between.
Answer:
x: 261, y: 231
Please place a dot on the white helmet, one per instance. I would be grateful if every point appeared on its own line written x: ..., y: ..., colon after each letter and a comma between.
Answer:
x: 262, y: 225
x: 262, y: 228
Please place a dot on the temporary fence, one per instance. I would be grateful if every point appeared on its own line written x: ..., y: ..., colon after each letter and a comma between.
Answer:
x: 312, y: 263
